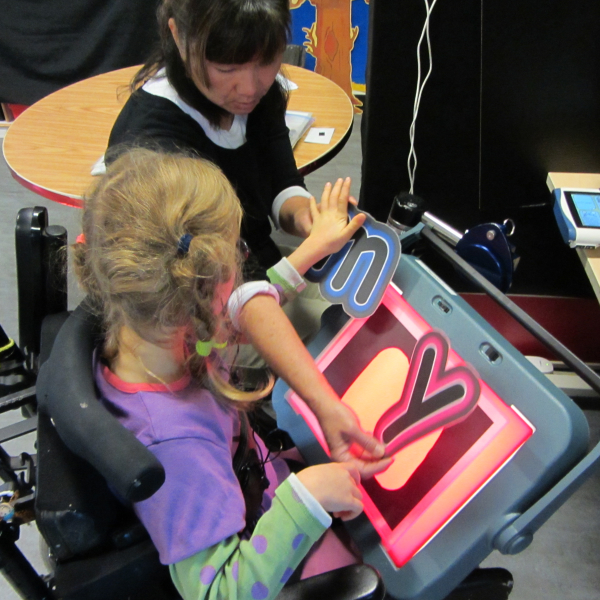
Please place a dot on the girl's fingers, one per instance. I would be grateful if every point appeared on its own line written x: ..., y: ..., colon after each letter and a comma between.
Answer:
x: 353, y: 510
x: 342, y: 200
x: 333, y: 194
x: 352, y: 471
x: 370, y: 445
x: 355, y: 224
x: 337, y: 196
x: 325, y: 196
x: 314, y: 209
x: 334, y: 199
x: 370, y: 468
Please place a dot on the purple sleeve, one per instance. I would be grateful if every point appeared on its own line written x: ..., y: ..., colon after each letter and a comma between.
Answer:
x: 200, y: 502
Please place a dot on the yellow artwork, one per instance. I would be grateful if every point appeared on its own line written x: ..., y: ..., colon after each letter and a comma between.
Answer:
x: 330, y: 40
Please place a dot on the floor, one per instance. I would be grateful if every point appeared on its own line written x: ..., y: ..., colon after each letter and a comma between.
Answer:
x: 563, y: 562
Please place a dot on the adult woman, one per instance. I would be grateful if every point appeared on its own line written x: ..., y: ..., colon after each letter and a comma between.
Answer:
x: 211, y: 88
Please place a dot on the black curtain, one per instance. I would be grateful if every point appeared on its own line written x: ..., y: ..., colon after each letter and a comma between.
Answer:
x: 48, y: 44
x: 514, y: 94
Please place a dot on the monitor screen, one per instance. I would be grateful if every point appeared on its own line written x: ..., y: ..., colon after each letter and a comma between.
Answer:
x: 585, y: 207
x: 440, y: 464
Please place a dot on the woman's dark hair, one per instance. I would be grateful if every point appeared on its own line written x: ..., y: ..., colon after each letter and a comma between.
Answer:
x: 221, y: 31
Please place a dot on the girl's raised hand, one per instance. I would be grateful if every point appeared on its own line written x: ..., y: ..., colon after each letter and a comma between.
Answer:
x: 330, y: 226
x: 331, y: 229
x: 335, y: 487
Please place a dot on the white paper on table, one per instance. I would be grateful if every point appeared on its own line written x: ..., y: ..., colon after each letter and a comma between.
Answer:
x: 319, y: 135
x: 99, y: 167
x: 286, y: 83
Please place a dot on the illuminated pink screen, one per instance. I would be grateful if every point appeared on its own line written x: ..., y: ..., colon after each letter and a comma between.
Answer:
x: 438, y: 470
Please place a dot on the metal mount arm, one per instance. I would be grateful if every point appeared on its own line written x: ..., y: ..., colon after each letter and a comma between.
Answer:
x: 519, y: 533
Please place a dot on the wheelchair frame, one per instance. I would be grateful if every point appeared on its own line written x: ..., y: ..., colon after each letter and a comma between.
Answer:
x: 41, y: 272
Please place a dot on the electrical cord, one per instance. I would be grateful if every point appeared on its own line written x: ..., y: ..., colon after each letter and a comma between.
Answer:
x: 412, y: 156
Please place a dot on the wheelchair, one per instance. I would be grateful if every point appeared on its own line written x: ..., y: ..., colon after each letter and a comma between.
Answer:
x: 86, y: 460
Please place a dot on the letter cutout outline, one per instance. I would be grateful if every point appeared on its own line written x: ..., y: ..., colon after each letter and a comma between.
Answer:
x: 433, y: 396
x: 357, y: 276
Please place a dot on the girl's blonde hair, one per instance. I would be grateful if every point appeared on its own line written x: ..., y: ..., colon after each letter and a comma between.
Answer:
x: 131, y: 266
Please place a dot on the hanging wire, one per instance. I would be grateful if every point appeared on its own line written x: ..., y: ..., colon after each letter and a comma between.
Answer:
x: 412, y: 155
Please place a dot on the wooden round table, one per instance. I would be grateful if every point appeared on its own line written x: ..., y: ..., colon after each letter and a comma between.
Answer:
x: 53, y: 145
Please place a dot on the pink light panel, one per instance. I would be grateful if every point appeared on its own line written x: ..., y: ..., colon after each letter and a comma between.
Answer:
x: 435, y: 476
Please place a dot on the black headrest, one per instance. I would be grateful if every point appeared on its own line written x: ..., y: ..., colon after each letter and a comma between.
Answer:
x: 66, y: 391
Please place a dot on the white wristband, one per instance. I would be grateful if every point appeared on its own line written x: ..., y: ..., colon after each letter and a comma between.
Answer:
x: 311, y: 503
x: 245, y: 292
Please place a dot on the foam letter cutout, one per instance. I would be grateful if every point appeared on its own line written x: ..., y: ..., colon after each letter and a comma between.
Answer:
x: 432, y: 396
x: 357, y: 276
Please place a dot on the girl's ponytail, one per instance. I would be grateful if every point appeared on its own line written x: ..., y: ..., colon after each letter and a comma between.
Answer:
x: 161, y: 233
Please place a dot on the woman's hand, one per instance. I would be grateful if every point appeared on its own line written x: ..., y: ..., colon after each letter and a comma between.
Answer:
x: 335, y: 487
x: 295, y: 216
x: 330, y: 228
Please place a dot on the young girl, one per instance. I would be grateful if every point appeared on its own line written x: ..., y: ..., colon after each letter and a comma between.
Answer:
x: 160, y: 264
x: 211, y: 89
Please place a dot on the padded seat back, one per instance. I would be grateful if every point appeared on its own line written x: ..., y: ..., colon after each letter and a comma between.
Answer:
x: 76, y: 511
x: 100, y: 547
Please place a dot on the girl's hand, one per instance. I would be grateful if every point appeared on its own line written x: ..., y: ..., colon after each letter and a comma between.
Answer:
x: 330, y: 227
x: 335, y: 487
x: 348, y: 442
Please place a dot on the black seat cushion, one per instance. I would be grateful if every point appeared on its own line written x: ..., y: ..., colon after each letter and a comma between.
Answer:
x: 74, y: 507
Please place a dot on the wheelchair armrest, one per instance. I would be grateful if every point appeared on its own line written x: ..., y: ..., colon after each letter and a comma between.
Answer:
x: 67, y: 393
x: 355, y: 582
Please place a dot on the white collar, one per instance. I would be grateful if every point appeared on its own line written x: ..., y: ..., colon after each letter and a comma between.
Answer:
x: 234, y: 138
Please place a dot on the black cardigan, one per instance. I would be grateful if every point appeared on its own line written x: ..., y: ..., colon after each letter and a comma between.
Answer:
x: 258, y: 170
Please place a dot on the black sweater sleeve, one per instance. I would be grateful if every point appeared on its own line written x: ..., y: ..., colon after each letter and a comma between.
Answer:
x: 268, y: 125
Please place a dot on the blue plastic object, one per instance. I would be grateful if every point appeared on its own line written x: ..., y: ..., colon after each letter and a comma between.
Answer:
x: 357, y: 275
x: 565, y: 226
x: 486, y: 247
x: 577, y: 213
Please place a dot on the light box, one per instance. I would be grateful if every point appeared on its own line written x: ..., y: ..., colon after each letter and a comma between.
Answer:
x: 433, y: 477
x: 476, y: 433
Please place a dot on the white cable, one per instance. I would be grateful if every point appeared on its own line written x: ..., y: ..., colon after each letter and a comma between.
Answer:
x: 418, y: 93
x: 412, y: 156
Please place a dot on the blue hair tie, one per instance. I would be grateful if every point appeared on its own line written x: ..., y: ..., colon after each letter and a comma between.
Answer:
x: 183, y: 246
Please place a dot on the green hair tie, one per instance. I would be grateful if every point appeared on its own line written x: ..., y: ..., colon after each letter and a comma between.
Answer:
x: 205, y: 348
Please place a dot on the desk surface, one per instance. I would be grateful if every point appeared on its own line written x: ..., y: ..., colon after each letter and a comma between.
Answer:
x: 589, y: 258
x: 52, y: 146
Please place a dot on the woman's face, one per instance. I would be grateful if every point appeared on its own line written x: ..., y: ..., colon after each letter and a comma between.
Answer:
x: 238, y: 88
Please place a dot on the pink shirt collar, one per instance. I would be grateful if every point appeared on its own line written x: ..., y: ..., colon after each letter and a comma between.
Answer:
x: 133, y: 388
